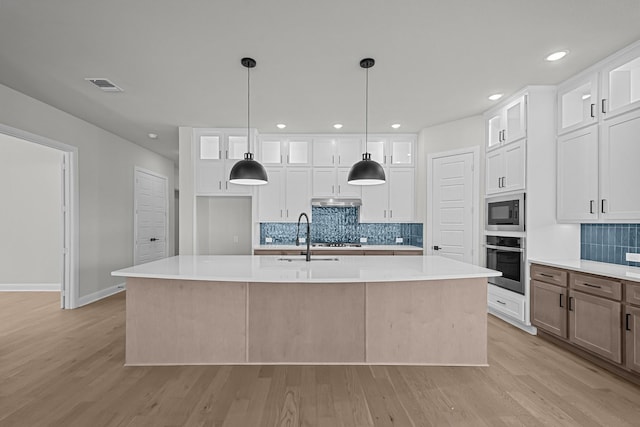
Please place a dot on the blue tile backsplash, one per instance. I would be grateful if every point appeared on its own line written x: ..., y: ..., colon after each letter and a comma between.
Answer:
x: 340, y: 225
x: 609, y: 242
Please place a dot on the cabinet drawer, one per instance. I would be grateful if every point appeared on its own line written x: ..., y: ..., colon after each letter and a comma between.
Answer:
x: 632, y: 291
x: 512, y: 307
x: 549, y: 275
x: 596, y: 286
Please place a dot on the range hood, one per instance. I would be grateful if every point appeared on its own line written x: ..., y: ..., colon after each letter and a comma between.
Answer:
x: 330, y: 201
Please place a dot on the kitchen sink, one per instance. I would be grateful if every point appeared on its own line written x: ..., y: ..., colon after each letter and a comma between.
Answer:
x: 290, y: 259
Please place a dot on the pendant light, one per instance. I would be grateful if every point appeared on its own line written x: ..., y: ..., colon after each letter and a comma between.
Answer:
x: 248, y: 171
x: 366, y: 171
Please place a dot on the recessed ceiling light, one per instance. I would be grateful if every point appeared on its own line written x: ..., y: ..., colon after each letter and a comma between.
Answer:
x: 495, y: 96
x: 152, y: 135
x: 338, y: 126
x: 557, y: 55
x: 587, y: 96
x: 395, y: 125
x: 281, y: 126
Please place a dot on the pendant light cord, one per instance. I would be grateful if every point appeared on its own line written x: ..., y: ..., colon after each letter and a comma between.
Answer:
x: 248, y: 109
x: 366, y: 114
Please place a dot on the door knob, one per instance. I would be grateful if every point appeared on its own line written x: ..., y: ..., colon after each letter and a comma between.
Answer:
x: 436, y: 248
x: 153, y: 239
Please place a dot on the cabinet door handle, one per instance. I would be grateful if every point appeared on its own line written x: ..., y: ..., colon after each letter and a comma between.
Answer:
x: 333, y: 159
x: 592, y: 286
x: 384, y: 159
x: 288, y: 159
x: 391, y: 159
x: 385, y: 213
x: 604, y: 102
x: 219, y: 185
x: 280, y: 213
x: 570, y: 303
x: 501, y: 302
x: 560, y: 300
x: 593, y: 114
x: 602, y: 205
x: 546, y: 275
x: 333, y: 189
x: 591, y: 206
x: 226, y: 154
x: 220, y: 154
x: 390, y: 213
x: 339, y: 160
x: 339, y: 191
x: 626, y: 322
x: 499, y: 180
x: 226, y: 185
x: 287, y: 213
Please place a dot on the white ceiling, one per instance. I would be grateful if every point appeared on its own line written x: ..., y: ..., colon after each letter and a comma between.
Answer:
x: 179, y: 61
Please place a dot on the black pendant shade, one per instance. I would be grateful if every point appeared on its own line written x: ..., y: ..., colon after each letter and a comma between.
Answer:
x: 366, y: 171
x: 248, y: 171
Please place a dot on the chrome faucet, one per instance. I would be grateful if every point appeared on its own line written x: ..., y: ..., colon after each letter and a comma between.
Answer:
x: 308, y: 235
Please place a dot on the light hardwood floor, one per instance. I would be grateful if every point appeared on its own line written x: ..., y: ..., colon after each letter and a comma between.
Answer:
x: 65, y: 368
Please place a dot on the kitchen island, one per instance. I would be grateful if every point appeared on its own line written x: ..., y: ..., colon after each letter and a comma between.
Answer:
x: 420, y: 310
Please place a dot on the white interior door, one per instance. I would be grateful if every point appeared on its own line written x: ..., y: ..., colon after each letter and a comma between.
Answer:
x: 150, y: 218
x: 451, y: 210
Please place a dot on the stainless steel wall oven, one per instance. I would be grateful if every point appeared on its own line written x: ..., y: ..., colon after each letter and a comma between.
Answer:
x: 507, y: 255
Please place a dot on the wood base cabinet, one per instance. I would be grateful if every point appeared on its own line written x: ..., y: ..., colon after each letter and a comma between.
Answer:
x: 548, y: 308
x: 595, y: 316
x: 594, y: 324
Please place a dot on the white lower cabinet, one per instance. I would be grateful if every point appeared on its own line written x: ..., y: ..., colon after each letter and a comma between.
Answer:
x: 506, y: 168
x: 392, y: 201
x: 287, y: 194
x: 506, y: 302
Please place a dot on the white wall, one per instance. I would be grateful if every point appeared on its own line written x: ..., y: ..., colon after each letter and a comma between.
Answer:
x: 31, y: 217
x: 223, y: 225
x: 106, y: 179
x: 463, y: 133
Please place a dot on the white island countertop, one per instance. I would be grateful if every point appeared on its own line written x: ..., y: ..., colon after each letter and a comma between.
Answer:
x: 294, y: 269
x: 618, y: 271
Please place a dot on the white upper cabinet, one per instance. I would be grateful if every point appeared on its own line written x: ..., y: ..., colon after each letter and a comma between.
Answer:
x: 344, y: 188
x: 332, y: 182
x: 577, y: 103
x: 578, y: 175
x: 287, y: 194
x: 396, y: 150
x: 506, y: 124
x: 393, y: 201
x: 506, y: 170
x: 621, y: 84
x: 619, y: 171
x: 285, y: 150
x: 216, y: 151
x: 336, y: 151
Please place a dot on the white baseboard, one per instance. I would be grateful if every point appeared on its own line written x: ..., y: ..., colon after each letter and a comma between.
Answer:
x: 102, y: 293
x: 30, y: 287
x: 527, y: 328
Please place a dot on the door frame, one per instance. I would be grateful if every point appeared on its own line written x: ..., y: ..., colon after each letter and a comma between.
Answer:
x: 135, y: 210
x: 69, y: 204
x: 475, y: 192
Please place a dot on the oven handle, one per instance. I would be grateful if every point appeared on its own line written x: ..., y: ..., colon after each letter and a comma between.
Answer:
x: 504, y: 248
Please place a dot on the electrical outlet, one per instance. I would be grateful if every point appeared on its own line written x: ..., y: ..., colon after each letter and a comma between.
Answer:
x: 399, y: 240
x: 363, y: 240
x: 268, y: 239
x: 633, y: 257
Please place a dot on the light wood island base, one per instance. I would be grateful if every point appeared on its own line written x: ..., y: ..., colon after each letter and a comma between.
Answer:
x: 190, y: 322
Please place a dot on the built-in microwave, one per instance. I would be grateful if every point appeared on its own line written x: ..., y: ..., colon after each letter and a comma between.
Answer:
x: 505, y: 213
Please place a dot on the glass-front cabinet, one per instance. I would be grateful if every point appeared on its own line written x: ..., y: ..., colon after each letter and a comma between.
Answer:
x: 392, y: 150
x: 621, y: 84
x: 577, y: 103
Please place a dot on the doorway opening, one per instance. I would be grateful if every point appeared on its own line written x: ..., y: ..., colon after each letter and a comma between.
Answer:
x: 223, y: 225
x: 63, y: 239
x: 151, y: 220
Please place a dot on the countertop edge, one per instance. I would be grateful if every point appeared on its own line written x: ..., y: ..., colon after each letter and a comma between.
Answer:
x: 618, y: 271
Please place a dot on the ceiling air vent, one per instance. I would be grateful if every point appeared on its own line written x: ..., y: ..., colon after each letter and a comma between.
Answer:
x: 104, y: 85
